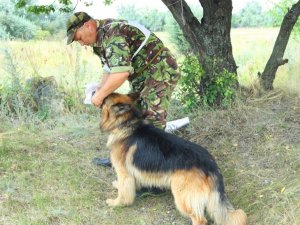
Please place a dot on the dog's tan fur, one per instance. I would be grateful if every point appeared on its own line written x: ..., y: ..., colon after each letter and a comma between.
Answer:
x: 193, y: 191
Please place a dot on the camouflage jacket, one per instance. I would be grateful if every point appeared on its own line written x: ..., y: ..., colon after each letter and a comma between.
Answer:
x: 118, y: 41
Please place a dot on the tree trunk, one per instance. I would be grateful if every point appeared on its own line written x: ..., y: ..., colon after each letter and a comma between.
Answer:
x: 209, y: 38
x: 276, y: 58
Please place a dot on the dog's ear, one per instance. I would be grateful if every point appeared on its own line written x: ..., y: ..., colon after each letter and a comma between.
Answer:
x: 134, y: 96
x: 121, y: 108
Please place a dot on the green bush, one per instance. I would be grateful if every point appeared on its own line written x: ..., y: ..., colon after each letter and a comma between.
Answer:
x: 3, y: 34
x: 42, y: 34
x: 189, y: 83
x: 17, y: 27
x: 218, y: 91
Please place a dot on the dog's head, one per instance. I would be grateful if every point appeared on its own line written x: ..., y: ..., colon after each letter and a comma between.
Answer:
x: 116, y: 109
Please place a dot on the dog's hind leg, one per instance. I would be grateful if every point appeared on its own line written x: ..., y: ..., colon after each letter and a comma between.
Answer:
x: 190, y: 192
x: 198, y: 220
x: 182, y: 201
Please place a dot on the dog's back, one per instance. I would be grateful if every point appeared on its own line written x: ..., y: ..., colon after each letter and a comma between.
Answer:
x: 159, y: 151
x: 187, y: 168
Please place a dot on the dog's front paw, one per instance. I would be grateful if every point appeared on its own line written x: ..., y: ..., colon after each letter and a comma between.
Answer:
x: 113, y: 202
x: 115, y: 184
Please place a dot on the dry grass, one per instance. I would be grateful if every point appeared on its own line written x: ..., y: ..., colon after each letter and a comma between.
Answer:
x: 257, y: 145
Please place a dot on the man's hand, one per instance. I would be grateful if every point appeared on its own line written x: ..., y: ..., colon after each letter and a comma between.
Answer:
x: 97, y: 99
x: 111, y: 83
x: 90, y: 90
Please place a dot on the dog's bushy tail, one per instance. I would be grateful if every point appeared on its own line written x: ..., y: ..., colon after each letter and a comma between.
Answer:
x: 221, y: 210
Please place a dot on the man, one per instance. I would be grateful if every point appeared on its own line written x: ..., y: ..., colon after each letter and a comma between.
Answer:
x: 128, y: 51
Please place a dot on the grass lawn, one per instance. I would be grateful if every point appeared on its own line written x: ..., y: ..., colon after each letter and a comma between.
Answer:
x: 46, y: 175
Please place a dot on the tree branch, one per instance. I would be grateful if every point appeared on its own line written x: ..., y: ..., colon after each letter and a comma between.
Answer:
x: 276, y: 58
x: 281, y: 61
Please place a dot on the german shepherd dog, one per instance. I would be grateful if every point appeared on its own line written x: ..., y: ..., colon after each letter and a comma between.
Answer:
x: 145, y: 156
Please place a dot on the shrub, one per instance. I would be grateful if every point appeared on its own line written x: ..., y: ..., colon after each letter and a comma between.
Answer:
x: 217, y: 91
x: 17, y: 27
x: 189, y: 83
x: 220, y: 91
x: 42, y: 34
x: 3, y: 34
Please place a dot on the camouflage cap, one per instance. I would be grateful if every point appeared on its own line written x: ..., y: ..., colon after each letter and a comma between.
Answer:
x: 74, y: 22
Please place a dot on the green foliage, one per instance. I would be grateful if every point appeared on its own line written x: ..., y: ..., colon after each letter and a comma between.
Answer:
x: 176, y: 35
x: 62, y: 6
x: 196, y: 89
x: 19, y: 23
x: 17, y: 27
x: 150, y: 18
x: 219, y: 91
x: 3, y: 33
x: 39, y: 9
x: 279, y: 11
x: 252, y: 15
x: 53, y: 23
x: 65, y: 2
x: 189, y: 83
x: 42, y: 34
x: 21, y: 3
x: 12, y: 24
x: 7, y: 6
x: 108, y: 2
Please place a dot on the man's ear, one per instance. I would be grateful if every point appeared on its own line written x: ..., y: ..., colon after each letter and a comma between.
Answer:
x: 121, y: 108
x: 134, y: 96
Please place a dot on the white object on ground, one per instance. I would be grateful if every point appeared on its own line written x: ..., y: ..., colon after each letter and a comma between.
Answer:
x: 90, y: 90
x: 176, y: 124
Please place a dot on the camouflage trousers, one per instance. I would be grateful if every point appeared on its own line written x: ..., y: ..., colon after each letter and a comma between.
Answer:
x: 155, y: 85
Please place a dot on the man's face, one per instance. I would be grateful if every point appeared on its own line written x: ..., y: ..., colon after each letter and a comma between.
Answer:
x: 86, y: 34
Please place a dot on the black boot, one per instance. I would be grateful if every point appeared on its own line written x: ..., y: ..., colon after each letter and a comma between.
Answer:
x: 102, y: 162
